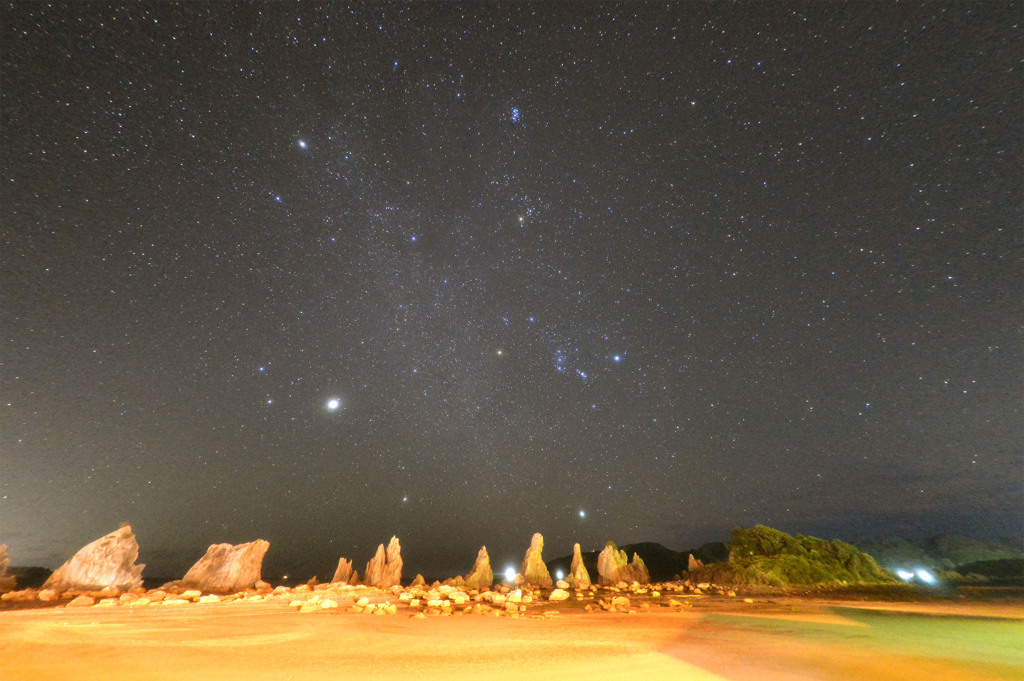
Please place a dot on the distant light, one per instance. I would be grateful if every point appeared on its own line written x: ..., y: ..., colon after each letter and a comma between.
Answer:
x: 582, y: 514
x: 905, y: 575
x: 510, y: 574
x: 925, y: 576
x: 515, y: 115
x: 302, y: 144
x: 617, y: 358
x: 559, y: 574
x: 414, y: 238
x: 333, y: 403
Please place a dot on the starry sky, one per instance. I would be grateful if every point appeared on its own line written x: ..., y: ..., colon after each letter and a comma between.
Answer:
x: 322, y: 274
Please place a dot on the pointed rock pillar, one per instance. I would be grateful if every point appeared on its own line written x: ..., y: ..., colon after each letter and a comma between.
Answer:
x: 578, y: 575
x: 534, y: 570
x: 481, y: 576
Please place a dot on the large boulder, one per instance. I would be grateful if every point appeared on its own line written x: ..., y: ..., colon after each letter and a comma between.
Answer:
x: 345, y: 573
x: 534, y: 571
x: 578, y: 575
x: 385, y: 568
x: 107, y: 562
x: 7, y: 580
x: 481, y: 576
x: 227, y: 568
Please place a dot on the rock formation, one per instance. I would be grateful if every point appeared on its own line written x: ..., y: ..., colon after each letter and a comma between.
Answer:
x: 613, y: 567
x: 578, y: 575
x: 481, y: 576
x: 534, y: 570
x: 693, y: 564
x: 227, y: 568
x: 107, y: 562
x: 610, y: 565
x: 385, y: 570
x: 345, y: 573
x: 638, y: 571
x: 7, y: 581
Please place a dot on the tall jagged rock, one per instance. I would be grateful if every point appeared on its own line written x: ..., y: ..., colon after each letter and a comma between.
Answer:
x: 227, y: 568
x: 534, y: 571
x: 107, y: 562
x: 613, y: 567
x: 345, y: 573
x: 7, y: 580
x: 578, y: 575
x: 481, y: 576
x: 638, y: 571
x: 610, y: 565
x: 385, y: 568
x: 693, y: 564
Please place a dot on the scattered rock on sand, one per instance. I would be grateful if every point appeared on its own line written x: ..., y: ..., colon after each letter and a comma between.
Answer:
x: 481, y: 576
x: 82, y: 602
x: 227, y: 568
x: 558, y: 595
x: 534, y: 570
x: 107, y: 562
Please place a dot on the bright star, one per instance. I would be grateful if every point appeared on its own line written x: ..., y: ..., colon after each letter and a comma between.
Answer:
x: 302, y: 144
x: 582, y: 514
x: 617, y: 358
x: 333, y: 404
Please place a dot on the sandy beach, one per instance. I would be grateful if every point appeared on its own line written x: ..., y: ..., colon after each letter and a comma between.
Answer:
x: 723, y: 639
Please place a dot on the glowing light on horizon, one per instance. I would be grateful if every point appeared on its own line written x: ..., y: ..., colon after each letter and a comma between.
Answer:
x: 510, y: 574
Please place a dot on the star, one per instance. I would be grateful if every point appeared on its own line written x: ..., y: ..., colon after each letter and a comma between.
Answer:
x: 302, y: 144
x: 333, y: 404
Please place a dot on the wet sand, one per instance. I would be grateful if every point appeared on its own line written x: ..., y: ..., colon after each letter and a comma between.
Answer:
x: 770, y: 641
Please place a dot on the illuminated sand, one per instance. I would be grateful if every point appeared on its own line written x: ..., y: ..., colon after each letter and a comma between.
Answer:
x: 723, y: 640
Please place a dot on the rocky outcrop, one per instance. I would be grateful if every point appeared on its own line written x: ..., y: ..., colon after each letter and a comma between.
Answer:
x: 7, y: 580
x: 693, y: 564
x: 534, y: 570
x: 227, y: 568
x: 107, y: 562
x: 578, y: 575
x: 610, y: 565
x: 345, y: 574
x: 385, y: 568
x: 613, y: 567
x: 481, y: 576
x: 638, y: 571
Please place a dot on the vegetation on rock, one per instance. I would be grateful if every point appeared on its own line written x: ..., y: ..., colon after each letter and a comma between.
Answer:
x: 762, y: 555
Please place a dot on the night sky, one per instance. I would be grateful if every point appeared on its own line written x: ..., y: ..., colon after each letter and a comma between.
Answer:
x: 460, y: 273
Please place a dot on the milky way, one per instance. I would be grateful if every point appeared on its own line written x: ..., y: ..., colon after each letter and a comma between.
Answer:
x: 641, y: 272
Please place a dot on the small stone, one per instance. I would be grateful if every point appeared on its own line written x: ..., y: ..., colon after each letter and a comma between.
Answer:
x: 211, y: 598
x: 82, y: 602
x: 192, y: 594
x: 48, y: 595
x: 562, y: 584
x: 558, y: 595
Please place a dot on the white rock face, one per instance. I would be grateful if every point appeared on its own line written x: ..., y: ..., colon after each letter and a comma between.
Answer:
x: 227, y: 568
x: 107, y: 562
